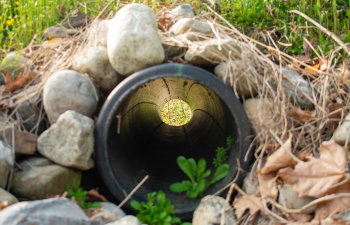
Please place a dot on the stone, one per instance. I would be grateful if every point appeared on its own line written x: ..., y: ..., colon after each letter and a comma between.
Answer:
x: 75, y: 21
x: 40, y: 178
x: 53, y: 211
x: 182, y: 11
x: 70, y: 141
x: 7, y: 162
x: 109, y: 206
x: 291, y: 200
x: 55, y: 32
x: 7, y: 197
x: 14, y: 64
x: 132, y: 40
x: 103, y: 217
x: 25, y: 142
x: 250, y: 184
x: 209, y: 212
x: 239, y: 75
x: 190, y: 25
x: 212, y: 51
x: 261, y: 113
x: 96, y: 64
x: 98, y: 32
x: 296, y: 88
x: 127, y: 220
x: 69, y: 90
x: 342, y: 134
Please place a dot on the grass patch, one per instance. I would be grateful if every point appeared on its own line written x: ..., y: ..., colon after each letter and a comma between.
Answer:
x: 176, y: 112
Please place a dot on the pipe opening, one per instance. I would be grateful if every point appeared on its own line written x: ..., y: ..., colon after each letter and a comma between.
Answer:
x: 133, y: 141
x: 176, y: 112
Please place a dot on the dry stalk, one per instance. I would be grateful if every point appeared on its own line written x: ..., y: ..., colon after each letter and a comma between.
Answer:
x: 133, y: 191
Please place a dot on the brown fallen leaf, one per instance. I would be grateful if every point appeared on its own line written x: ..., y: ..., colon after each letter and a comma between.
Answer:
x: 279, y: 159
x: 268, y: 186
x: 94, y: 193
x: 252, y: 203
x: 317, y: 176
x: 300, y: 217
x: 336, y: 205
x: 302, y: 115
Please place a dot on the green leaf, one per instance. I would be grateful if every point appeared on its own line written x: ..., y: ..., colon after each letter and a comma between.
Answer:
x: 201, y: 166
x: 193, y: 166
x: 185, y: 167
x: 229, y: 142
x: 220, y: 173
x: 135, y: 205
x: 180, y: 187
x: 205, y: 174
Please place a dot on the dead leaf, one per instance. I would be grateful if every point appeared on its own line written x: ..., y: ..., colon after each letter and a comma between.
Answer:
x: 313, y: 69
x: 336, y: 205
x: 317, y: 176
x: 302, y: 115
x: 279, y: 159
x: 268, y: 186
x: 305, y: 155
x: 20, y: 80
x: 94, y: 193
x: 247, y: 202
x: 300, y: 217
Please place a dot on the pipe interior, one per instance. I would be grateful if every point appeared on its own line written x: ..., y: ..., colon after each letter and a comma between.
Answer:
x: 140, y: 143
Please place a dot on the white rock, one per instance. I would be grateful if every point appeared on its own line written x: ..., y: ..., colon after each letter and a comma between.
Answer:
x: 109, y: 206
x: 209, y: 212
x: 239, y: 75
x: 250, y: 184
x: 69, y: 90
x: 343, y: 132
x: 291, y: 199
x: 98, y: 33
x: 70, y: 141
x: 6, y: 163
x: 132, y: 41
x: 41, y: 178
x: 296, y: 88
x: 182, y: 11
x: 212, y: 51
x: 96, y: 64
x: 7, y: 197
x: 103, y: 217
x: 190, y: 25
x: 126, y: 220
x: 53, y: 211
x: 261, y: 113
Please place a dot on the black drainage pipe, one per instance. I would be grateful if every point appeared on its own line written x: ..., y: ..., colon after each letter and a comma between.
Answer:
x: 132, y: 141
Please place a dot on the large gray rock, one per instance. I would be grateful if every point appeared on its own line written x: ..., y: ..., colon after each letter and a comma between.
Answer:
x: 53, y: 211
x: 239, y: 75
x: 342, y: 133
x: 69, y: 90
x: 6, y: 163
x: 291, y: 199
x: 182, y: 11
x: 296, y: 88
x: 7, y: 197
x: 75, y: 21
x: 98, y: 33
x: 209, y: 212
x: 25, y: 142
x: 127, y: 220
x: 41, y: 178
x: 70, y: 141
x: 190, y: 25
x: 14, y: 64
x: 212, y: 51
x: 103, y: 217
x: 132, y: 41
x: 96, y: 64
x: 55, y: 32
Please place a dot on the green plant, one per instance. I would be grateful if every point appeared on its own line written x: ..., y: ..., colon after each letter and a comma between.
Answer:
x: 222, y: 153
x: 80, y: 196
x: 157, y: 211
x: 198, y: 175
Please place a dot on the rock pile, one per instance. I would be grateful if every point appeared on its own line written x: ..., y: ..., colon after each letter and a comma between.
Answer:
x: 125, y: 44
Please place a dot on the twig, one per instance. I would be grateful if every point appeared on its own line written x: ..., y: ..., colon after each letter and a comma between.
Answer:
x: 133, y: 191
x: 331, y: 34
x: 314, y: 202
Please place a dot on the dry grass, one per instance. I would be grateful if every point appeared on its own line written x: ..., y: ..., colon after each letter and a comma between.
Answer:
x: 330, y: 88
